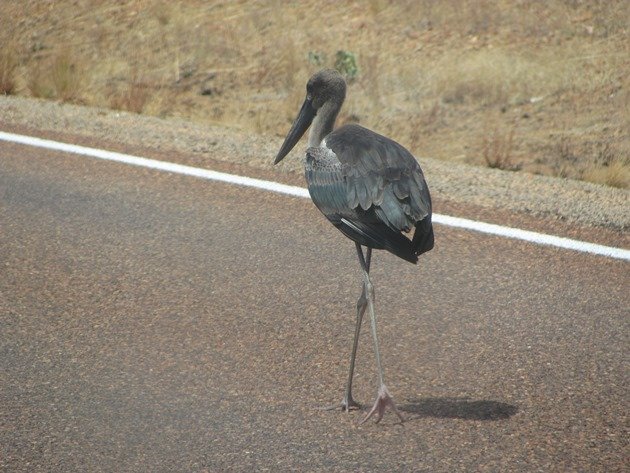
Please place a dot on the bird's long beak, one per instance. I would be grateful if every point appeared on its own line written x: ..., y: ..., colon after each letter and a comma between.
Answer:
x: 300, y: 125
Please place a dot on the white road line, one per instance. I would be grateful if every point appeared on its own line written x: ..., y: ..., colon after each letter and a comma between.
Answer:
x: 508, y: 232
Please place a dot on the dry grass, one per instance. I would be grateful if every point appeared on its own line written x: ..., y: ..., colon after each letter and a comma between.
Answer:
x: 615, y: 174
x: 610, y: 167
x: 602, y: 162
x: 59, y: 77
x: 432, y: 74
x: 497, y: 149
x: 8, y: 69
x: 133, y: 97
x: 66, y: 77
x: 496, y: 77
x: 39, y: 82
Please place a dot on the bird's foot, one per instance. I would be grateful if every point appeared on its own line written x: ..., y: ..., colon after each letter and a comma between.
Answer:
x: 348, y: 404
x: 383, y: 400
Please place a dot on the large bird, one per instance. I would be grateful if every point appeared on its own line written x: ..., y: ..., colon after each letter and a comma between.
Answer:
x: 369, y: 187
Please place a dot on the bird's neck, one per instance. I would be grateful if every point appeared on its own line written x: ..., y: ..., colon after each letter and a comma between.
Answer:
x: 323, y: 124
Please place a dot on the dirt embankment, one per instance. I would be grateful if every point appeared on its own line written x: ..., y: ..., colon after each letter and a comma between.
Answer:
x: 198, y: 145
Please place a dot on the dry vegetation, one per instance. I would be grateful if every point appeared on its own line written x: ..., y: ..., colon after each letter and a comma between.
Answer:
x: 537, y: 86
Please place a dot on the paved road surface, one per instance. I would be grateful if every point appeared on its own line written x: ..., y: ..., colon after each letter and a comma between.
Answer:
x: 154, y: 322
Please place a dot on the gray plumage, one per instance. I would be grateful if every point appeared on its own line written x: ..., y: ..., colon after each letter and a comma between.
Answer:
x: 371, y: 189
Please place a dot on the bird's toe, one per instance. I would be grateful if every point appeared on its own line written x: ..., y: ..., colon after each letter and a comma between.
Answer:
x: 383, y: 400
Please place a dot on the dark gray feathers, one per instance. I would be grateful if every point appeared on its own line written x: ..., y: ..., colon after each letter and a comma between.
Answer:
x: 371, y: 188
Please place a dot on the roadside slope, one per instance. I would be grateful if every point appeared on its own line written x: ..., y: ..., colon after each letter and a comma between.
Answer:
x: 563, y: 199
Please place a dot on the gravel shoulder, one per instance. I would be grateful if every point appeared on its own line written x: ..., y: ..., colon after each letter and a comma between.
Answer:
x: 562, y: 199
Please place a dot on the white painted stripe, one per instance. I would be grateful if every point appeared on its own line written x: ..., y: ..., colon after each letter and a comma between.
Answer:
x: 155, y: 164
x: 533, y: 237
x: 489, y: 228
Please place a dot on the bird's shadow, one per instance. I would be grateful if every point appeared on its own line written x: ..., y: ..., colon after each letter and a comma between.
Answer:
x: 458, y: 408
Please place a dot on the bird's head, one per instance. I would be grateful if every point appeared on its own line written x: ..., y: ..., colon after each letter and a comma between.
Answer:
x: 326, y: 89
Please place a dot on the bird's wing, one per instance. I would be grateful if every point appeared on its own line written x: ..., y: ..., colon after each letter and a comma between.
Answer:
x: 328, y: 187
x: 378, y: 172
x: 371, y: 189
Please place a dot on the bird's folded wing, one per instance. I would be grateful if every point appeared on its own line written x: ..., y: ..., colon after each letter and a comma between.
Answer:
x: 379, y: 172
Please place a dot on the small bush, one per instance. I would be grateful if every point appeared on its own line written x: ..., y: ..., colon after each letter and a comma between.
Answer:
x: 497, y: 151
x: 132, y: 99
x: 39, y: 82
x: 316, y: 58
x: 8, y: 67
x: 66, y: 78
x: 346, y: 64
x: 616, y: 174
x: 610, y: 168
x: 57, y: 78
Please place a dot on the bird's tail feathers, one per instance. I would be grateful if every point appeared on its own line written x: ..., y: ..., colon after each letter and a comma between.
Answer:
x: 379, y: 237
x: 423, y: 239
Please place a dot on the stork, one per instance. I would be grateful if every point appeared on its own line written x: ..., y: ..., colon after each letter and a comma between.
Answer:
x: 369, y: 187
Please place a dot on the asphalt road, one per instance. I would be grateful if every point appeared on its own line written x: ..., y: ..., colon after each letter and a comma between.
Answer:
x: 155, y: 322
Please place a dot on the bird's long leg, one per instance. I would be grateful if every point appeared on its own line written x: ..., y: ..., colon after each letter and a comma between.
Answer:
x: 348, y: 403
x: 383, y: 399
